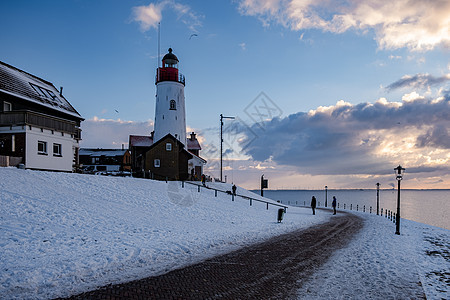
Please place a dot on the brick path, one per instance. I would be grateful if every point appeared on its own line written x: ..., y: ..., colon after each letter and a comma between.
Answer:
x: 270, y: 270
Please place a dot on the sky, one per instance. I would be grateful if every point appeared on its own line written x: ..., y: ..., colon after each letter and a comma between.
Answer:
x: 334, y: 93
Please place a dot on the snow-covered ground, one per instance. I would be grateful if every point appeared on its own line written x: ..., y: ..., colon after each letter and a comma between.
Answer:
x: 62, y: 234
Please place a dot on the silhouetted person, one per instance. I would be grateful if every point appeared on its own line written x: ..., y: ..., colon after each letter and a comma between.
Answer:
x: 333, y: 204
x: 233, y: 188
x: 313, y: 204
x: 204, y: 180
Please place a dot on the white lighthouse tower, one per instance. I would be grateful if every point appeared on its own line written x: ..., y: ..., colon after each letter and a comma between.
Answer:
x: 170, y: 112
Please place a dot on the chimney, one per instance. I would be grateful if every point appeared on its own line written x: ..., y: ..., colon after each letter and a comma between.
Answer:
x: 193, y: 138
x: 123, y: 145
x: 152, y: 134
x: 60, y: 91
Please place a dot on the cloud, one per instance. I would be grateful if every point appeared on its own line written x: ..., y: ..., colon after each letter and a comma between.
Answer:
x: 243, y: 46
x: 148, y: 16
x: 107, y: 133
x: 422, y: 81
x: 415, y: 24
x: 362, y: 139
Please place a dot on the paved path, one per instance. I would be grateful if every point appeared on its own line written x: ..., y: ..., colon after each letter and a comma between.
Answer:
x: 270, y: 270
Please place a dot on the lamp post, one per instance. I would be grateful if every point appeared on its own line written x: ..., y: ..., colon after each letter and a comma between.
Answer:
x: 326, y: 196
x: 398, y: 172
x: 264, y: 184
x: 378, y: 197
x: 221, y: 141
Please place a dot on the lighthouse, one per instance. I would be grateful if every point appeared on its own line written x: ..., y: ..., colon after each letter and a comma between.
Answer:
x: 170, y: 112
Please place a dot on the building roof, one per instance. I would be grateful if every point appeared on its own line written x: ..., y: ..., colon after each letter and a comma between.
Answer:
x: 193, y: 144
x: 140, y: 141
x: 31, y: 88
x: 102, y: 152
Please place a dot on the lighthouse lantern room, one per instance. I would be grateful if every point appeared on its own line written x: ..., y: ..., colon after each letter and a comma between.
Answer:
x: 170, y: 112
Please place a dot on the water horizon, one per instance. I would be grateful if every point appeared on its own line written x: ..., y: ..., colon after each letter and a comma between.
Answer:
x: 428, y: 206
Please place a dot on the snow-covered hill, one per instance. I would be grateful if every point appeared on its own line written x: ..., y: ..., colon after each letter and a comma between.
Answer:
x: 62, y: 234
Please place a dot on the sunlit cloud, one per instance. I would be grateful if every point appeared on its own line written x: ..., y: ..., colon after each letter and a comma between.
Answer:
x: 415, y: 24
x: 363, y: 139
x: 148, y: 16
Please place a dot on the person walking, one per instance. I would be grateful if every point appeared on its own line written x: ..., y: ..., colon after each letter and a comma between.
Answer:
x: 234, y: 189
x: 333, y: 204
x: 313, y: 204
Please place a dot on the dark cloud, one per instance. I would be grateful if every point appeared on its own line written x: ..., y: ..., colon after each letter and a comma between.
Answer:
x: 344, y: 139
x: 418, y: 81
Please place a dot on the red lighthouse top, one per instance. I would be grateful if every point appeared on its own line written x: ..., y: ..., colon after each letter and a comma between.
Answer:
x: 169, y: 69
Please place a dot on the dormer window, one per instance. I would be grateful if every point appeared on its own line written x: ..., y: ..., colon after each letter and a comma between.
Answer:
x: 173, y: 105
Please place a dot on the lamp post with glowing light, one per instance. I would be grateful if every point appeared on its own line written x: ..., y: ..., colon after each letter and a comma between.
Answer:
x: 398, y: 172
x: 378, y: 197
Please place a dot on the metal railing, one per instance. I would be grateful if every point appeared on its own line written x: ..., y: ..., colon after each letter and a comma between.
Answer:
x: 251, y: 199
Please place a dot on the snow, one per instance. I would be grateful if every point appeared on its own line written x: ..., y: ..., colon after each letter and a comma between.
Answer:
x: 63, y: 234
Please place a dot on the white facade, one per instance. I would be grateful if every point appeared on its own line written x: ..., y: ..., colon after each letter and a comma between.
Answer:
x: 46, y: 149
x: 170, y: 113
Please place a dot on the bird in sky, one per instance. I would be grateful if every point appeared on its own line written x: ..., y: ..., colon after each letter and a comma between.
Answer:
x: 194, y: 34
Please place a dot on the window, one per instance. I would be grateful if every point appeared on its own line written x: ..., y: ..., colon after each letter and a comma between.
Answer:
x: 57, y: 150
x: 169, y: 147
x: 42, y: 147
x: 157, y: 163
x: 173, y: 105
x: 7, y: 106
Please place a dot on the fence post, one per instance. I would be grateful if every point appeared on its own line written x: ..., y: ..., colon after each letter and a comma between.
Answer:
x: 215, y: 193
x: 250, y: 201
x: 198, y: 188
x: 267, y: 207
x: 344, y: 205
x: 364, y: 208
x: 351, y: 204
x: 371, y: 209
x: 357, y: 207
x: 232, y: 197
x: 182, y: 184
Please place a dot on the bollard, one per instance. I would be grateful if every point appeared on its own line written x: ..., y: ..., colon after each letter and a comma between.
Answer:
x: 351, y: 204
x: 250, y: 201
x: 232, y: 197
x: 371, y: 209
x: 280, y: 215
x: 215, y: 193
x: 198, y: 189
x: 344, y: 205
x: 267, y: 207
x: 357, y: 207
x: 182, y: 184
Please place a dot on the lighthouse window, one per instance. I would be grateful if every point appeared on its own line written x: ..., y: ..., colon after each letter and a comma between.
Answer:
x: 173, y: 105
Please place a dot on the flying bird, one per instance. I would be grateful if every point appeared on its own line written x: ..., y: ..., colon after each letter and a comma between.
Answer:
x: 116, y: 111
x: 194, y: 34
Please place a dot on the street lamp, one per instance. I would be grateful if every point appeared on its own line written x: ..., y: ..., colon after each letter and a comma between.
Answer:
x: 221, y: 142
x: 398, y: 172
x: 326, y: 191
x: 378, y: 197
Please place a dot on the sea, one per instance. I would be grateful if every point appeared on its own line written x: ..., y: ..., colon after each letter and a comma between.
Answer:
x: 430, y: 207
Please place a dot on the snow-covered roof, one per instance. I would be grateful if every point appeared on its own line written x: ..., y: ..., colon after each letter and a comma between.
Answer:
x: 198, y: 158
x: 31, y: 88
x: 102, y: 152
x: 140, y: 141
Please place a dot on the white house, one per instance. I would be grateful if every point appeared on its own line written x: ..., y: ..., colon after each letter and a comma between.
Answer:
x: 39, y: 128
